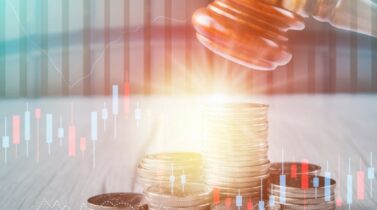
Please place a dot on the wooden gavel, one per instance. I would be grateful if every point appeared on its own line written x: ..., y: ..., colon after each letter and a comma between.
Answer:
x: 253, y: 32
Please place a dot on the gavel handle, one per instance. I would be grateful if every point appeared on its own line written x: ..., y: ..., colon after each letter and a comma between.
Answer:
x: 353, y: 15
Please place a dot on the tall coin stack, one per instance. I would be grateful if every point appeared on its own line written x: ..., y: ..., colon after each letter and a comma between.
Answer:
x: 174, y: 181
x: 235, y: 150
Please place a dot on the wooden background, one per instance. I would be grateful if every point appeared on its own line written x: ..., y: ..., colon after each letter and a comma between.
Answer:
x: 324, y: 129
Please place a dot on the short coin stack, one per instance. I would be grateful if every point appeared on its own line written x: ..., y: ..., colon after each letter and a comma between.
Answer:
x: 294, y: 169
x: 314, y: 196
x: 235, y: 150
x: 191, y: 197
x: 161, y: 168
x: 174, y: 181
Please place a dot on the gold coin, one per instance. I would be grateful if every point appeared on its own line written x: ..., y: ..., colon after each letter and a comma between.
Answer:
x: 118, y: 201
x: 190, y: 196
x: 277, y: 168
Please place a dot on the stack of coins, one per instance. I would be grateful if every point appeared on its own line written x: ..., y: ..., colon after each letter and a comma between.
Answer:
x: 174, y: 181
x: 169, y: 169
x: 191, y: 197
x: 235, y: 150
x: 303, y: 192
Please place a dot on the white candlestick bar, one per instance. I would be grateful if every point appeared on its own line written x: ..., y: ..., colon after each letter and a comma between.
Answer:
x: 27, y: 128
x: 115, y: 107
x: 349, y: 185
x: 61, y: 131
x: 137, y: 115
x: 371, y: 176
x: 5, y: 141
x: 49, y: 131
x: 105, y: 116
x: 94, y: 133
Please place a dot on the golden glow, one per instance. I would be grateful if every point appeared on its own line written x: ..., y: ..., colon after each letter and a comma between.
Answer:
x: 217, y: 98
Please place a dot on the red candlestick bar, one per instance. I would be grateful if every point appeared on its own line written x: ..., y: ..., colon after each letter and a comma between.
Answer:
x: 16, y: 129
x: 127, y: 91
x: 71, y: 141
x: 304, y: 174
x: 360, y: 185
x: 294, y: 171
x: 249, y: 204
x: 216, y: 196
x: 82, y: 144
x: 228, y: 202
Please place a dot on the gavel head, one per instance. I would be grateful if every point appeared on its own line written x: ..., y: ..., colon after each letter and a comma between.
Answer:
x: 247, y: 32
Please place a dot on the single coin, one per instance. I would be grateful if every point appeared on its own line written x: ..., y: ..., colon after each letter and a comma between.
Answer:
x: 190, y: 196
x: 235, y: 185
x: 324, y: 206
x: 231, y: 151
x: 233, y: 172
x: 235, y: 139
x: 295, y: 184
x: 243, y: 114
x: 162, y: 207
x: 243, y: 156
x: 234, y: 163
x: 278, y: 168
x: 306, y: 194
x: 119, y: 201
x: 259, y: 123
x: 237, y: 180
x: 169, y: 157
x: 235, y: 122
x: 229, y: 169
x: 304, y: 201
x: 247, y: 203
x: 235, y: 106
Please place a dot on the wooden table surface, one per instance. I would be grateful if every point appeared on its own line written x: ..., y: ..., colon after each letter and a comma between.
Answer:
x: 329, y: 130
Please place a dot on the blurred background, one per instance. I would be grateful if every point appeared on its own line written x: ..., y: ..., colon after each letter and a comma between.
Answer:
x: 52, y: 49
x: 82, y: 47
